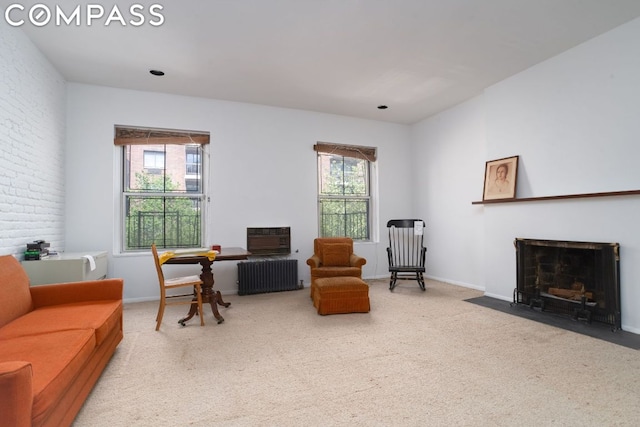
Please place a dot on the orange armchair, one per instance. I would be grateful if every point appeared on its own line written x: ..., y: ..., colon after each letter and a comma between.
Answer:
x: 333, y: 257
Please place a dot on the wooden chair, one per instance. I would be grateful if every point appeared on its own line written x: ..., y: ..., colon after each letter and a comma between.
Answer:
x: 193, y: 282
x: 406, y: 251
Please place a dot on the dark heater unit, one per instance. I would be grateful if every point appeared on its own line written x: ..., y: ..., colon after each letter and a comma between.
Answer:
x: 269, y: 241
x: 267, y: 275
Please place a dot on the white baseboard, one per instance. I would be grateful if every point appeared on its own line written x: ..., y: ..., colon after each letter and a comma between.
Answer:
x: 630, y: 329
x: 140, y: 299
x: 500, y: 297
x: 456, y: 282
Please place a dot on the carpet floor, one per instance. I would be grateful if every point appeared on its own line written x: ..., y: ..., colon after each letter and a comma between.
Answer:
x: 416, y: 359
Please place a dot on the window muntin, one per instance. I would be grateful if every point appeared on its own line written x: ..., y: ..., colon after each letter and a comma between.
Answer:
x: 162, y: 204
x: 344, y: 198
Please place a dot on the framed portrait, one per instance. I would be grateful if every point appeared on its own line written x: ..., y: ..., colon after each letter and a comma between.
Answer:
x: 500, y: 179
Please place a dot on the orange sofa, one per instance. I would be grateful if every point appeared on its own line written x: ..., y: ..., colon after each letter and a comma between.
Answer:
x: 55, y: 341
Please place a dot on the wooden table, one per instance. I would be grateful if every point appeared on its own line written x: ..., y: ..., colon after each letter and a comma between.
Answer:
x: 214, y: 298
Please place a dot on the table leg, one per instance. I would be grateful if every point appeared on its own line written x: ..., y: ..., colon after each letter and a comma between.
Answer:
x: 209, y: 296
x: 214, y: 298
x: 219, y: 300
x: 193, y: 310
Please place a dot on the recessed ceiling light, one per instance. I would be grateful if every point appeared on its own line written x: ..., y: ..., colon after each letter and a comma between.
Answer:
x: 157, y: 72
x: 382, y: 107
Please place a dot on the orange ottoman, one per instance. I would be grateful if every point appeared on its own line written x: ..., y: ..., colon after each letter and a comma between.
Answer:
x: 335, y: 295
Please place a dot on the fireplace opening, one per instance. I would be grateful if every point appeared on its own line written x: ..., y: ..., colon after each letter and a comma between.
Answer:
x: 579, y: 279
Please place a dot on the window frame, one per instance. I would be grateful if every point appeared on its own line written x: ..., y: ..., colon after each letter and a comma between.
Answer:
x: 200, y: 139
x: 366, y: 154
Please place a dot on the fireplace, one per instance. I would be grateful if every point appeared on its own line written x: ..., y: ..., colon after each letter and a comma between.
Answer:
x: 578, y: 279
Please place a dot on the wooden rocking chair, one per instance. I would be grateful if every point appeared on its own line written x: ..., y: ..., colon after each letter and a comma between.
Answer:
x: 406, y: 251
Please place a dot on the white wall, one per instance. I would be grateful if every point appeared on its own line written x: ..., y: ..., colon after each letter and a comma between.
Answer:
x: 32, y: 116
x: 573, y: 120
x: 447, y: 169
x: 263, y: 173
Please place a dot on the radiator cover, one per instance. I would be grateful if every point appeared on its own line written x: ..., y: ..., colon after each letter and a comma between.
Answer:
x: 268, y: 275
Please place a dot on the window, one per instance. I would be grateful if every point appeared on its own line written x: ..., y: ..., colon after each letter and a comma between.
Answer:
x: 344, y: 191
x: 162, y: 188
x: 153, y: 161
x: 193, y: 160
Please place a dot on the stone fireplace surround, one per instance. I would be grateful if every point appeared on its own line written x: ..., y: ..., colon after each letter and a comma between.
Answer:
x: 578, y: 279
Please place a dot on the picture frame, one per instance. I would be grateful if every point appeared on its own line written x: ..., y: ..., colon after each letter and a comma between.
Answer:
x: 500, y: 177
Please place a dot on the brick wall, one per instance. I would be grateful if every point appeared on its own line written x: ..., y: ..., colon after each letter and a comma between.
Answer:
x: 32, y: 136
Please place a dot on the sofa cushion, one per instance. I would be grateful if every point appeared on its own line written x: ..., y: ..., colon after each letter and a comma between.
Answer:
x: 56, y: 359
x: 15, y: 297
x: 336, y: 254
x: 100, y: 316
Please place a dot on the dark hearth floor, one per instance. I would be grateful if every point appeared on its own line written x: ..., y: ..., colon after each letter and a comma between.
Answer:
x: 595, y: 329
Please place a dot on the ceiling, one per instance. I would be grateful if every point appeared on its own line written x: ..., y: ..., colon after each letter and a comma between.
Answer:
x: 345, y: 57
